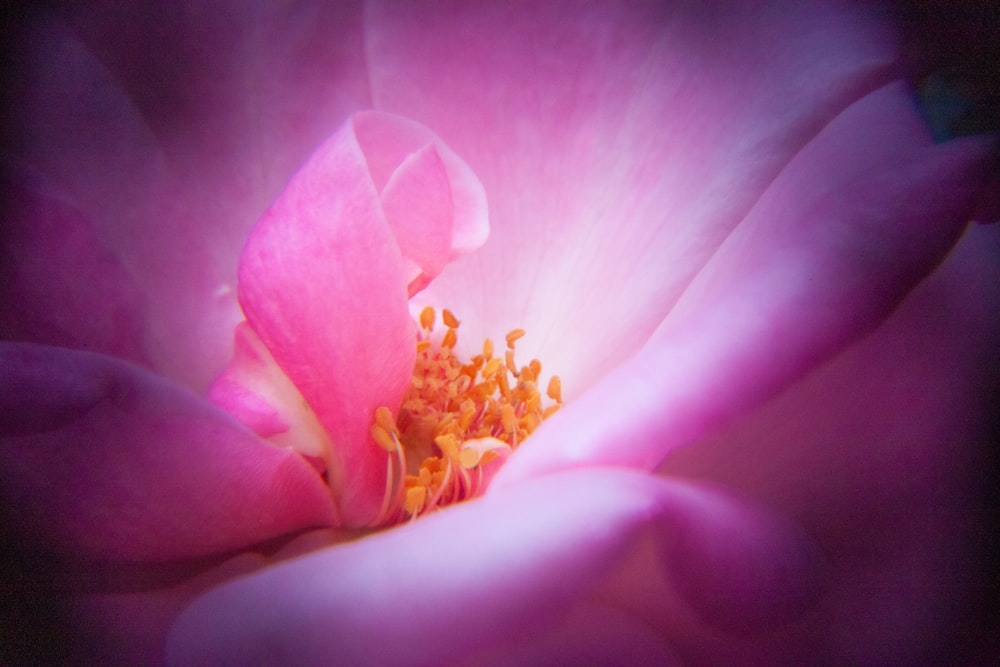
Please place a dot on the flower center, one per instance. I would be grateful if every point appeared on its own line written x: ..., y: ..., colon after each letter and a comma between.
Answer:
x: 457, y: 422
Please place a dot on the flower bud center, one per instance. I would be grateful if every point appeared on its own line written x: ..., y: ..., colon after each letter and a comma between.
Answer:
x: 457, y: 421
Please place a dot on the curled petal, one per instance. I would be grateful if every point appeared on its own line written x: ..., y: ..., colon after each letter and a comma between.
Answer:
x: 323, y: 283
x: 417, y: 204
x: 535, y: 560
x: 388, y: 140
x: 101, y: 460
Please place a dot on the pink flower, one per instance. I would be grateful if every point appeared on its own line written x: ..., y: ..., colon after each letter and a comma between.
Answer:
x: 725, y: 228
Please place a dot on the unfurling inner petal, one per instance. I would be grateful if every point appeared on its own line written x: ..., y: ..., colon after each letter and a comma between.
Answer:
x: 376, y: 212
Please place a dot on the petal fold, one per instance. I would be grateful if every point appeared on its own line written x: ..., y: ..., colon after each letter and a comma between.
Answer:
x: 104, y: 461
x: 255, y: 391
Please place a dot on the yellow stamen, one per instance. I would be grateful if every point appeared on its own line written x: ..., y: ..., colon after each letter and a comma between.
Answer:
x: 453, y: 419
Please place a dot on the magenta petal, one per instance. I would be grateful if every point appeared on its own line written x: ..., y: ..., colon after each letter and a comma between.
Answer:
x: 102, y: 460
x: 855, y: 221
x: 505, y: 569
x: 881, y: 454
x: 258, y: 393
x: 321, y: 282
x: 247, y: 388
x: 50, y: 250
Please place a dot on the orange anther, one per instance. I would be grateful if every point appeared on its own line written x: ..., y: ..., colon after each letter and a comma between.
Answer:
x: 383, y: 438
x: 427, y: 319
x: 469, y: 458
x: 492, y: 366
x: 504, y: 386
x: 454, y: 417
x: 554, y: 390
x: 513, y: 336
x: 415, y: 498
x: 507, y: 417
x: 448, y: 444
x: 511, y: 366
x: 383, y: 417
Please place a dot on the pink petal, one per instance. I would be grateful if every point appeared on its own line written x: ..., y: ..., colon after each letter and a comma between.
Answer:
x: 498, y: 573
x: 321, y: 282
x: 389, y: 140
x: 171, y: 128
x: 885, y: 454
x: 619, y: 143
x: 49, y: 250
x: 417, y: 205
x: 104, y: 461
x: 259, y: 394
x: 861, y: 215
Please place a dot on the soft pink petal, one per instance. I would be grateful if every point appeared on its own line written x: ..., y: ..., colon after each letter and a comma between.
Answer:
x: 104, y: 461
x: 321, y: 282
x: 171, y: 128
x: 619, y: 144
x: 861, y: 215
x: 500, y: 571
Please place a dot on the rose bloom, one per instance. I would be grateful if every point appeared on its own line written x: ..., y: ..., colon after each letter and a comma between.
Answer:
x: 725, y: 227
